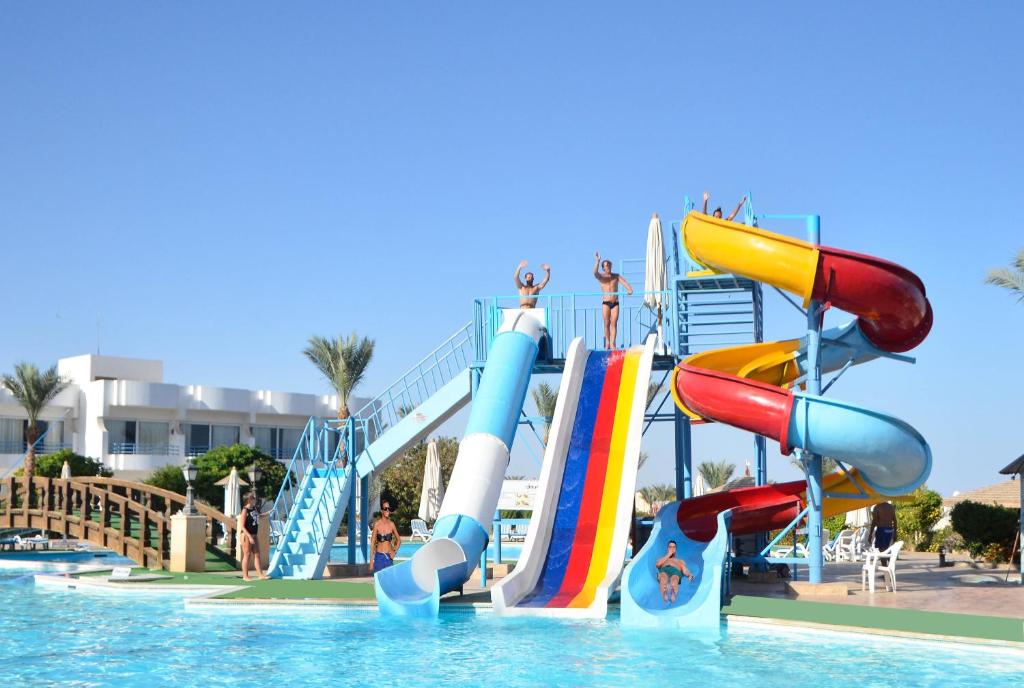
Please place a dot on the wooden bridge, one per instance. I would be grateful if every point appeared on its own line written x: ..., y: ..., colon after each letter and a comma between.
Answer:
x: 132, y: 519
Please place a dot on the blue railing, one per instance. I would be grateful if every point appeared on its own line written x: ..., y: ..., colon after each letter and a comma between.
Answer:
x: 305, y: 454
x: 581, y: 315
x: 39, y: 444
x: 21, y: 447
x: 419, y: 383
x: 333, y: 487
x: 143, y: 448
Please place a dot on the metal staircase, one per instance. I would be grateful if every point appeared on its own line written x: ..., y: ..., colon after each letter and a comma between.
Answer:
x: 319, y: 486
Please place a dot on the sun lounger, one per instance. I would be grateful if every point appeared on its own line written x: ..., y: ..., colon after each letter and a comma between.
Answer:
x: 420, y: 530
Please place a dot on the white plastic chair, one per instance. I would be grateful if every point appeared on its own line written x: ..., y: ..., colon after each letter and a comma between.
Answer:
x: 420, y: 530
x: 830, y: 550
x: 873, y: 566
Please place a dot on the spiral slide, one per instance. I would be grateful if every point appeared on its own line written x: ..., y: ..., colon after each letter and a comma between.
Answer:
x: 576, y: 544
x: 750, y: 387
x: 414, y: 587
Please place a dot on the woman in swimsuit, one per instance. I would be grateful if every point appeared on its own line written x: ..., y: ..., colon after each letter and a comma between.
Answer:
x: 670, y: 570
x: 250, y: 521
x: 384, y: 541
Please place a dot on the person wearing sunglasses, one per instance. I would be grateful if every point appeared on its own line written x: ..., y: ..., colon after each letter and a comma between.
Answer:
x: 384, y: 540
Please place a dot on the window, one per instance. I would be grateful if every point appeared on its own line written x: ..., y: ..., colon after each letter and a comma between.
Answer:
x: 200, y: 437
x: 12, y: 435
x: 280, y: 443
x: 54, y: 438
x: 138, y: 437
x: 121, y: 436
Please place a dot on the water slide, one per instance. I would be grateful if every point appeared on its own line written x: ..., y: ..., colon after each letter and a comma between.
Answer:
x: 414, y: 587
x: 577, y: 539
x: 751, y: 387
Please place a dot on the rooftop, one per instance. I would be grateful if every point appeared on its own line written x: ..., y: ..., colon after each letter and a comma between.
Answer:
x: 1006, y: 493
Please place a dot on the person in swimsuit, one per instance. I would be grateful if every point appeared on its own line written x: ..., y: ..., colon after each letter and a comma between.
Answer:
x: 527, y: 289
x: 250, y: 519
x: 384, y: 541
x: 883, y: 523
x: 671, y: 570
x: 609, y: 282
x: 718, y: 210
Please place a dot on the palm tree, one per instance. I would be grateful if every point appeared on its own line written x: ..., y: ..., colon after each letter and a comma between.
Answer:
x: 343, y: 362
x: 34, y: 391
x: 652, y: 392
x: 716, y: 474
x: 661, y: 494
x: 828, y: 465
x: 545, y: 397
x: 1012, y: 280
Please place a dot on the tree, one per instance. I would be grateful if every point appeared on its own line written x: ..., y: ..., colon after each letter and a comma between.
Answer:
x: 50, y: 465
x: 343, y: 362
x: 545, y: 398
x: 914, y: 519
x: 828, y: 465
x: 658, y: 494
x: 216, y: 464
x: 653, y: 389
x: 402, y: 482
x: 1011, y: 280
x: 716, y: 474
x: 34, y: 391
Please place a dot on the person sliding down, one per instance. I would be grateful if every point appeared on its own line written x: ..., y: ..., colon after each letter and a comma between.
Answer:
x: 671, y: 569
x: 718, y: 210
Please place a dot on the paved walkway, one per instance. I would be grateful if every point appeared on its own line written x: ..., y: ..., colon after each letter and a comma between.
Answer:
x: 920, y: 585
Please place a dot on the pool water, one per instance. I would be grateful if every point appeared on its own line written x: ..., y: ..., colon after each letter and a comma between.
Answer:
x: 78, y: 639
x: 509, y: 552
x: 55, y: 560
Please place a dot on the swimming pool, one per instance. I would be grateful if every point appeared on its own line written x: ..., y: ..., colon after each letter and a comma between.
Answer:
x: 509, y: 552
x: 58, y: 560
x: 74, y: 639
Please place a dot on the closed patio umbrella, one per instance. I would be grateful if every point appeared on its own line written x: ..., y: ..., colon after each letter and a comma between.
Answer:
x: 65, y: 471
x: 655, y: 276
x: 432, y: 493
x: 232, y: 484
x: 700, y: 487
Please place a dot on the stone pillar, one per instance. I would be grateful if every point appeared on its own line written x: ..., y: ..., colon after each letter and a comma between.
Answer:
x: 188, y: 543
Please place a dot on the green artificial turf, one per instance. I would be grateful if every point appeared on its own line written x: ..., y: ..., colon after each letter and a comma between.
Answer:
x: 882, y: 618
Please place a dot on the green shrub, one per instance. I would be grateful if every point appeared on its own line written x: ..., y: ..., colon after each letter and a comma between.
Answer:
x: 402, y: 482
x: 835, y: 524
x: 982, y: 525
x: 216, y: 464
x: 915, y: 519
x: 50, y: 465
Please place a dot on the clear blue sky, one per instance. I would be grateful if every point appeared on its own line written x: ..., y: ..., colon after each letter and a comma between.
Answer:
x: 217, y: 182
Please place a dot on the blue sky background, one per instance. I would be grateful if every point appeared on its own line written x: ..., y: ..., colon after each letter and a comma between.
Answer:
x: 217, y: 182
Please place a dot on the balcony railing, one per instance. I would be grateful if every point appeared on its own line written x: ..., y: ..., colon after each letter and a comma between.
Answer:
x: 581, y: 315
x: 142, y: 448
x: 20, y: 447
x: 279, y: 453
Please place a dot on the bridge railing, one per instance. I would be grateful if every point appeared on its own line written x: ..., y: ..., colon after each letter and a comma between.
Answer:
x: 130, y: 518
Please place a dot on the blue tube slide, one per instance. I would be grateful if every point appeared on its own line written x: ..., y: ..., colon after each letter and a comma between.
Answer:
x: 414, y: 587
x: 699, y: 602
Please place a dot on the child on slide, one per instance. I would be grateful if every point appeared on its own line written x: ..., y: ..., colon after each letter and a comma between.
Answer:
x: 670, y: 570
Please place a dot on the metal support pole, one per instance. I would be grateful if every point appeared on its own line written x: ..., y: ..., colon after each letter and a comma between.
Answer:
x: 350, y: 450
x: 364, y: 516
x: 1020, y: 479
x: 813, y: 461
x: 684, y: 456
x: 496, y: 529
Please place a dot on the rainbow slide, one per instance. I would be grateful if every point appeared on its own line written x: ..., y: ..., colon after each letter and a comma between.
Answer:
x: 751, y: 387
x: 576, y: 543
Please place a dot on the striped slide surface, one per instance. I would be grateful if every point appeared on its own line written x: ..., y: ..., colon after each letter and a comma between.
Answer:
x: 577, y: 540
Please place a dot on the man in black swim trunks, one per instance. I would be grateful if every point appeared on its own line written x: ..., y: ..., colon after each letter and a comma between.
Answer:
x: 609, y: 282
x: 528, y: 291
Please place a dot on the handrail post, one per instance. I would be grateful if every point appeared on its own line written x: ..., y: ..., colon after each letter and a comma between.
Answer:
x: 351, y: 468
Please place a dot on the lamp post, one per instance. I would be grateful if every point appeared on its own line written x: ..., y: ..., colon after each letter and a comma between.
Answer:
x: 190, y: 471
x: 255, y: 474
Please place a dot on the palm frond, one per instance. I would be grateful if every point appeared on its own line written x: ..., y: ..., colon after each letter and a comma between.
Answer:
x: 343, y: 361
x: 653, y: 389
x: 716, y: 473
x: 33, y: 389
x: 1011, y: 280
x: 545, y: 398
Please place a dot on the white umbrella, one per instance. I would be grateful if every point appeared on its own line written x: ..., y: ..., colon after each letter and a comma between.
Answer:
x: 699, y: 486
x: 655, y: 277
x: 232, y: 493
x: 859, y: 518
x: 65, y: 471
x: 433, y: 488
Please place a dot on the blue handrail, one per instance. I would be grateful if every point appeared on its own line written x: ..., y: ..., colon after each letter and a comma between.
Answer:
x: 297, y: 469
x: 412, y: 388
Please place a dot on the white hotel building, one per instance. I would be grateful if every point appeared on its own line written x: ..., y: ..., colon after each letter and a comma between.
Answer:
x: 121, y: 411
